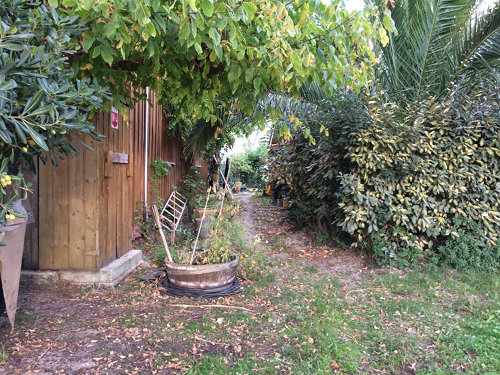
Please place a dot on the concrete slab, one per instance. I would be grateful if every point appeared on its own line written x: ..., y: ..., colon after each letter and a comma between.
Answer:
x: 109, y: 275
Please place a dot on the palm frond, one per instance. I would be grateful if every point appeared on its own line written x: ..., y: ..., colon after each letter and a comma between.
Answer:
x: 436, y: 41
x: 477, y: 48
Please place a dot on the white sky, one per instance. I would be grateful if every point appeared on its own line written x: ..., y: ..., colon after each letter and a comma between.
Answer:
x: 352, y: 4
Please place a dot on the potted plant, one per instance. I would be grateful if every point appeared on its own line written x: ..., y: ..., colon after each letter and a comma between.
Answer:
x: 214, y: 265
x: 199, y: 207
x: 12, y: 231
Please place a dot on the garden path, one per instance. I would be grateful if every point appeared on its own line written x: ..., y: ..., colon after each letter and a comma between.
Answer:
x: 64, y: 328
x: 309, y: 308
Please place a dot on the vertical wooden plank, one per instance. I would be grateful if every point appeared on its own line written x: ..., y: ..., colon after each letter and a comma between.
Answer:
x: 46, y: 213
x: 91, y: 200
x: 76, y: 213
x: 31, y: 243
x: 104, y: 195
x: 59, y: 221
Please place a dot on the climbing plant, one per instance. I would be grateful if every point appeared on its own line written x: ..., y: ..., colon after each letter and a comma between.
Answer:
x: 196, y: 54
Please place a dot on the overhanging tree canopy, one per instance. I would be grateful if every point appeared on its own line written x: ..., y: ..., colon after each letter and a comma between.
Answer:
x: 198, y: 53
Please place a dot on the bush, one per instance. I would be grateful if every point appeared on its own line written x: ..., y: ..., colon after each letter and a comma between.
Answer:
x: 468, y: 250
x: 246, y: 166
x: 44, y: 110
x: 416, y: 172
x: 399, y: 180
x: 311, y: 170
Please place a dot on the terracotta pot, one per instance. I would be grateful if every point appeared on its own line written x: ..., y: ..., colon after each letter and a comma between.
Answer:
x: 202, y: 276
x: 11, y: 257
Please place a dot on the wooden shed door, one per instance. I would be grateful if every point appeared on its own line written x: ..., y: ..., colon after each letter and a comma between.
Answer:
x: 116, y: 200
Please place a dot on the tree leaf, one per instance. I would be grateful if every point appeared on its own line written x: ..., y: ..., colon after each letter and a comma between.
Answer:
x: 214, y: 35
x: 207, y: 7
x: 87, y: 43
x: 12, y: 46
x: 192, y: 4
x: 250, y: 8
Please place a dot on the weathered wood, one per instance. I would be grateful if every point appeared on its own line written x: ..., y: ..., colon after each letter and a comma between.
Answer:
x: 119, y: 158
x: 87, y: 204
x: 156, y: 216
x: 108, y: 164
x: 30, y: 254
x: 202, y: 276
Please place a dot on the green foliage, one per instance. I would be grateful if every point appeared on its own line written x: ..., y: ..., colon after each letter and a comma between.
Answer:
x: 42, y: 107
x: 225, y: 239
x: 12, y: 187
x: 43, y: 110
x: 159, y: 170
x: 415, y: 172
x: 397, y: 180
x: 4, y: 355
x: 197, y: 54
x: 200, y: 200
x: 246, y: 166
x: 467, y: 250
x: 414, y: 65
x: 311, y: 169
x: 193, y: 184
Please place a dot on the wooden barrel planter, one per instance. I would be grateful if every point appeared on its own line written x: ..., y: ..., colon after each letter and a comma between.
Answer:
x: 212, y: 276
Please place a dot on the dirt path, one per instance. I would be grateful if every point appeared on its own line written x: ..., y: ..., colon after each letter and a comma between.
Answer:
x: 270, y: 224
x: 133, y: 329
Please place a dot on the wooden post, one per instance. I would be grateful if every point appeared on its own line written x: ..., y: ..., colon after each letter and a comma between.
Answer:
x: 156, y: 216
x: 199, y: 229
x: 225, y: 189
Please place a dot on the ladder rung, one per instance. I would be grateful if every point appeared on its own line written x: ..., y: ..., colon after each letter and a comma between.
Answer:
x: 175, y: 209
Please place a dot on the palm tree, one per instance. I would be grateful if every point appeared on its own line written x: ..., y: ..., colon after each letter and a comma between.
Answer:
x: 439, y: 43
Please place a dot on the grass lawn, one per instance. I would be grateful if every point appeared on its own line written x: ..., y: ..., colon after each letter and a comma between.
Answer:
x: 309, y: 309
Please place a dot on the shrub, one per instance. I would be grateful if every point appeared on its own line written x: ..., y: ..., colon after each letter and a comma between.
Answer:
x: 467, y: 250
x: 399, y: 179
x: 415, y: 172
x: 246, y: 166
x: 311, y: 170
x: 44, y: 111
x: 192, y: 184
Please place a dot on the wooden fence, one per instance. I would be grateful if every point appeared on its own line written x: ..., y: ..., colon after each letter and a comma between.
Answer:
x: 86, y: 205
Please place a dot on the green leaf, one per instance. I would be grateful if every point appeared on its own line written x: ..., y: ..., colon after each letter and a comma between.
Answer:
x: 151, y: 29
x: 218, y: 51
x: 257, y: 82
x: 297, y: 63
x: 109, y: 29
x: 107, y: 54
x: 36, y: 137
x: 198, y: 48
x: 234, y: 73
x: 214, y: 34
x: 207, y: 7
x: 34, y: 101
x: 250, y: 8
x: 12, y: 46
x: 250, y: 74
x: 87, y: 43
x: 192, y: 4
x: 388, y: 22
x: 9, y: 85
